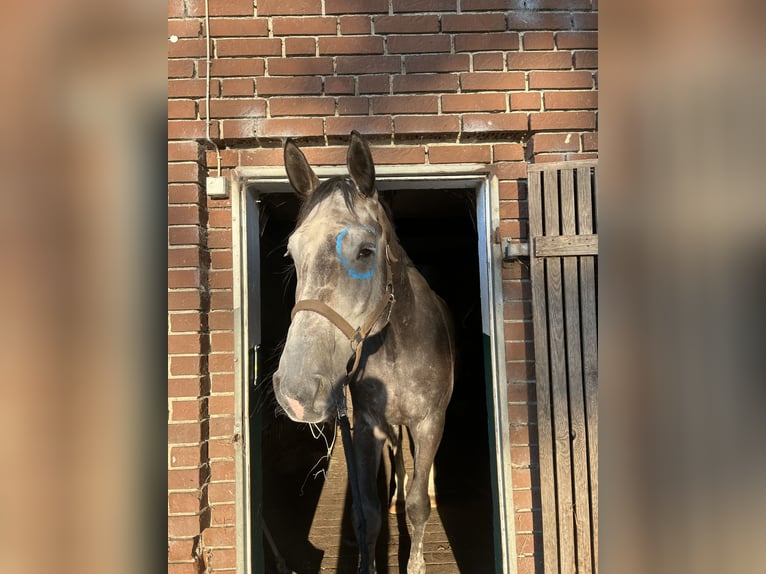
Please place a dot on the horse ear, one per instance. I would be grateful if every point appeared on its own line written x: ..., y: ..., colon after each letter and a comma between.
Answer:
x: 360, y: 166
x: 299, y: 172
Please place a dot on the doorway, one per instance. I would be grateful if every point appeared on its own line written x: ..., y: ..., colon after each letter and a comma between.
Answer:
x: 444, y: 231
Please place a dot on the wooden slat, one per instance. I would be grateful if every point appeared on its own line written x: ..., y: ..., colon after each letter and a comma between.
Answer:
x: 542, y: 386
x: 581, y: 510
x: 566, y: 245
x: 558, y: 373
x: 589, y: 343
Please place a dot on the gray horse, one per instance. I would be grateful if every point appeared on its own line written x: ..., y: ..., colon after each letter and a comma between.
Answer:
x: 351, y: 270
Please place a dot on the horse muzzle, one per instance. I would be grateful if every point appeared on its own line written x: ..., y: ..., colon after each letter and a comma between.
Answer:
x: 305, y: 400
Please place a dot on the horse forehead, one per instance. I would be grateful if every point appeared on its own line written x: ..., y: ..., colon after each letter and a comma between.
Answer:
x: 331, y: 216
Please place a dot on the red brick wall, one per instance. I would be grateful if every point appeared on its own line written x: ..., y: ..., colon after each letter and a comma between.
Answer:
x: 498, y: 82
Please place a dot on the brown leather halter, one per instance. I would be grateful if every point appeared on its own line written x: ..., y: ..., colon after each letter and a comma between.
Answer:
x: 357, y: 336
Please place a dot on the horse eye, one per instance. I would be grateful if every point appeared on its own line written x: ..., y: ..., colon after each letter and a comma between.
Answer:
x: 365, y: 252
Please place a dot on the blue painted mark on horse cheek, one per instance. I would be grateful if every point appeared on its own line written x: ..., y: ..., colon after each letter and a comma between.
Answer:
x: 345, y: 262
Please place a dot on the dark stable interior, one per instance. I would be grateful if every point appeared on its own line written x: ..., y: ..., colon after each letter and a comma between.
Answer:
x: 437, y: 228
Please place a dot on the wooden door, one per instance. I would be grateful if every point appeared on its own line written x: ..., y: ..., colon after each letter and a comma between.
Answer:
x: 563, y: 260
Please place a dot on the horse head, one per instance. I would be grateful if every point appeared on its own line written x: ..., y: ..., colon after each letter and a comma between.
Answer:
x: 344, y: 292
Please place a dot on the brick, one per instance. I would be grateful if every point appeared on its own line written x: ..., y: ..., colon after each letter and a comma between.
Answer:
x: 185, y: 365
x: 238, y: 129
x: 248, y: 47
x: 426, y: 124
x: 180, y: 69
x: 293, y: 7
x: 237, y: 87
x: 221, y: 426
x: 187, y: 235
x: 303, y: 26
x: 511, y: 170
x: 493, y: 61
x: 539, y: 61
x: 525, y: 101
x: 494, y: 122
x: 185, y: 322
x: 220, y: 320
x: 459, y: 154
x: 183, y: 568
x: 221, y: 362
x: 535, y: 20
x: 221, y: 537
x: 184, y: 193
x: 234, y: 27
x: 473, y: 22
x: 183, y: 215
x: 420, y: 44
x: 555, y: 142
x: 299, y: 66
x: 231, y: 108
x: 562, y: 120
x: 355, y: 24
x: 335, y: 155
x: 590, y: 142
x: 221, y: 279
x: 187, y: 172
x: 425, y: 83
x: 585, y: 21
x: 222, y: 8
x: 337, y: 86
x: 190, y: 129
x: 379, y: 125
x: 185, y: 479
x: 559, y: 80
x: 406, y: 24
x: 353, y: 106
x: 184, y: 433
x: 224, y: 560
x: 368, y: 64
x: 263, y: 156
x: 179, y: 550
x: 176, y: 9
x: 586, y: 59
x: 288, y: 86
x: 184, y: 300
x: 222, y: 382
x: 351, y: 45
x: 309, y: 106
x: 374, y: 85
x: 186, y: 48
x: 538, y: 40
x: 221, y: 448
x: 425, y: 5
x: 486, y: 42
x: 221, y: 341
x: 405, y: 105
x: 488, y: 81
x: 568, y: 4
x: 486, y: 102
x: 190, y: 344
x: 228, y: 67
x: 220, y: 405
x: 509, y: 152
x: 221, y: 258
x: 288, y: 127
x: 571, y: 100
x: 577, y: 40
x: 355, y: 6
x: 300, y: 47
x: 185, y: 456
x: 399, y: 155
x: 222, y: 515
x: 479, y: 5
x: 183, y: 526
x: 437, y: 63
x: 190, y: 88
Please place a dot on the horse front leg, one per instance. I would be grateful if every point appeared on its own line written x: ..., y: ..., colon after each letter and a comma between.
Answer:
x: 426, y: 437
x: 368, y: 449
